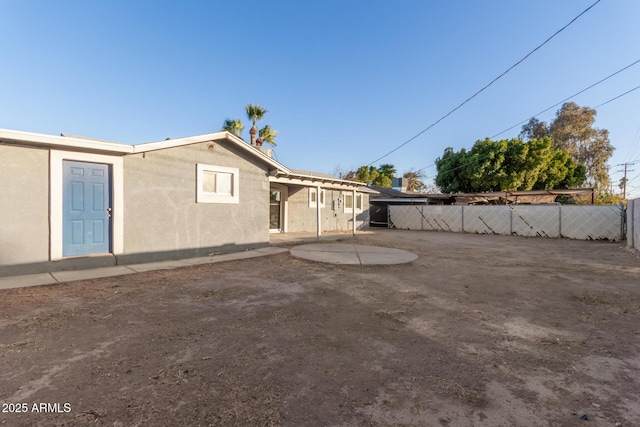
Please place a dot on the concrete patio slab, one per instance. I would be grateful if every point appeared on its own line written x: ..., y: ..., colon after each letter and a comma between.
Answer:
x: 340, y: 253
x: 326, y: 247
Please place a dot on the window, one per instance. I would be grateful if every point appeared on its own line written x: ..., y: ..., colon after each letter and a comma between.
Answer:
x: 313, y: 197
x: 217, y: 184
x: 348, y: 202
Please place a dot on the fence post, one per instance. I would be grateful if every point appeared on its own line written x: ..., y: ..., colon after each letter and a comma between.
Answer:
x: 630, y: 224
x: 622, y: 230
x: 511, y: 221
x: 462, y: 215
x: 560, y: 221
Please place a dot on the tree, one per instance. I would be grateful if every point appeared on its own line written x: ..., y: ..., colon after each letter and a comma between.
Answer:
x: 507, y: 165
x: 254, y: 113
x: 414, y: 181
x: 453, y: 172
x: 233, y: 126
x: 572, y: 130
x: 367, y: 174
x: 380, y: 177
x: 387, y: 170
x: 349, y: 176
x: 534, y: 129
x: 266, y: 134
x: 340, y: 172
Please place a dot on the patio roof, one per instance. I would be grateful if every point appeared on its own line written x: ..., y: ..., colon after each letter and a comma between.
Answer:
x: 314, y: 179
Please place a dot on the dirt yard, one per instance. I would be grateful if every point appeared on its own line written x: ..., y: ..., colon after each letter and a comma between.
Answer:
x: 478, y: 331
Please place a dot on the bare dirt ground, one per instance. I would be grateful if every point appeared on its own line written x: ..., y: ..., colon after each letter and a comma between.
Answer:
x: 478, y: 331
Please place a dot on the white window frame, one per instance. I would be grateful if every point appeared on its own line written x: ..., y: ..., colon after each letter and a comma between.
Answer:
x: 313, y: 203
x: 212, y: 197
x: 56, y: 178
x: 358, y: 206
x: 346, y: 208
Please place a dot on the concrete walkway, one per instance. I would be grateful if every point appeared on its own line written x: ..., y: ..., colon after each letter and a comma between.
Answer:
x: 335, y: 253
x: 118, y: 270
x: 345, y: 253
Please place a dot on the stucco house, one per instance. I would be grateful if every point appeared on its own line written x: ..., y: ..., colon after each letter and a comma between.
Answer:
x: 71, y: 202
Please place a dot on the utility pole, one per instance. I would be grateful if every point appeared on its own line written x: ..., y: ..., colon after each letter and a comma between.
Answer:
x: 624, y: 180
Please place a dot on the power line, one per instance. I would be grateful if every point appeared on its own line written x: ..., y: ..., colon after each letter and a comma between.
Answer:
x: 568, y: 98
x: 564, y: 100
x: 598, y: 106
x: 619, y: 96
x: 486, y: 86
x: 634, y: 145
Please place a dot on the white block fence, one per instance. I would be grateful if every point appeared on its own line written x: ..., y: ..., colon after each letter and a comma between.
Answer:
x: 585, y: 222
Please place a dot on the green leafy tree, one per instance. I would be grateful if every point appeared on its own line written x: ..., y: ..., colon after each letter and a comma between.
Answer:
x: 367, y: 174
x: 233, y: 126
x: 454, y: 172
x: 608, y: 198
x: 380, y: 177
x: 507, y: 165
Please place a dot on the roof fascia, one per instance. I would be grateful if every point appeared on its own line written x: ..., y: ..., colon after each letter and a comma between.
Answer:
x: 63, y: 142
x: 318, y: 181
x: 314, y: 178
x: 213, y: 137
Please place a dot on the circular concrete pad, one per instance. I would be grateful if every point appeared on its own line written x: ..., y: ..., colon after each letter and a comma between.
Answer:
x: 341, y: 253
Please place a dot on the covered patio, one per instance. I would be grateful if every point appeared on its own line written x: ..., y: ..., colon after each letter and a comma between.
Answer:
x: 316, y: 204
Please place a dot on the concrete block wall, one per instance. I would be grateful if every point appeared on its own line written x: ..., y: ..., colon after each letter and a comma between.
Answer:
x: 24, y: 210
x: 302, y: 218
x: 162, y: 217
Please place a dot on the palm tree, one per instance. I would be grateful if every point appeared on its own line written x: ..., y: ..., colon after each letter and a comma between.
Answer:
x: 234, y: 127
x: 414, y: 181
x: 266, y: 134
x: 388, y: 170
x: 254, y: 113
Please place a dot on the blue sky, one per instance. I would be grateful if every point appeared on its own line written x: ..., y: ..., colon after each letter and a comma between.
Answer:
x: 344, y: 81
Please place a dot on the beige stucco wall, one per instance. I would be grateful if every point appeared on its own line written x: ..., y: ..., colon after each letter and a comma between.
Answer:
x: 161, y: 213
x: 24, y: 210
x: 302, y: 218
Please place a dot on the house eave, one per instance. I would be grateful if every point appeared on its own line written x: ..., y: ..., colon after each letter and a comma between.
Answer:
x: 30, y: 139
x: 72, y: 143
x: 213, y: 137
x: 315, y: 181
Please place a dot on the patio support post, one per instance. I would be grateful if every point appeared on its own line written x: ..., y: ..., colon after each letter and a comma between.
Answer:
x: 354, y: 211
x: 319, y: 216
